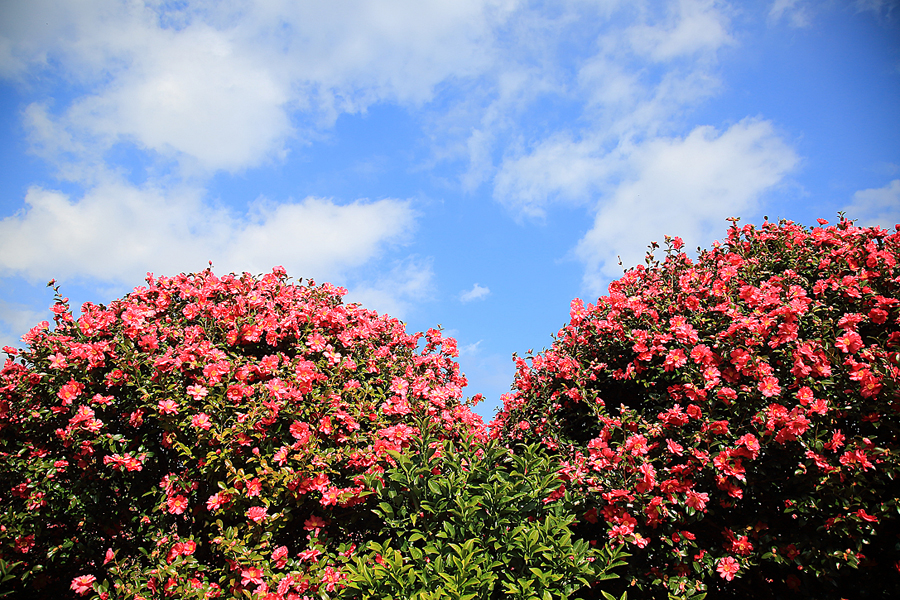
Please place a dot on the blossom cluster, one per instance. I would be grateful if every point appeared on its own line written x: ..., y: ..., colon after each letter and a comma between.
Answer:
x: 736, y: 416
x: 209, y: 436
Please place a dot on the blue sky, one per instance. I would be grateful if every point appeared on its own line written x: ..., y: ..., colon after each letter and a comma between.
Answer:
x: 470, y: 163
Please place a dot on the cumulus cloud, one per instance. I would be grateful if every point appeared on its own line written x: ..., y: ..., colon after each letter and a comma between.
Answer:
x: 877, y: 206
x: 225, y: 86
x: 629, y: 99
x: 117, y: 232
x: 476, y: 293
x: 682, y: 186
x: 219, y: 85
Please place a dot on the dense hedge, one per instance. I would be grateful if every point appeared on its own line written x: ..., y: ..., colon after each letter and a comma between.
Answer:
x: 734, y: 419
x: 205, y: 436
x: 732, y: 423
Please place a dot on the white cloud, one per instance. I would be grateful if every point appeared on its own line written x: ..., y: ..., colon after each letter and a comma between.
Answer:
x: 692, y: 27
x: 558, y: 169
x: 796, y: 12
x: 216, y: 86
x: 230, y: 85
x: 15, y: 320
x: 470, y: 349
x: 117, y: 232
x: 685, y: 187
x: 877, y: 206
x: 877, y: 6
x: 395, y: 292
x: 476, y: 293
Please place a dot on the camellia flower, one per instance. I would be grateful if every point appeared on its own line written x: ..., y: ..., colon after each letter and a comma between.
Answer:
x: 728, y: 568
x: 83, y: 584
x: 256, y: 513
x: 177, y: 504
x: 168, y: 407
x: 769, y: 387
x: 201, y: 421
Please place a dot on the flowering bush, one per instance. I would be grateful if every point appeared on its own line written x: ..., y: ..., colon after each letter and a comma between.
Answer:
x: 207, y: 437
x: 734, y: 419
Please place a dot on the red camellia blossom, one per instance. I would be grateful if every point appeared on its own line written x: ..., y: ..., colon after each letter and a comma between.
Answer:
x: 176, y: 504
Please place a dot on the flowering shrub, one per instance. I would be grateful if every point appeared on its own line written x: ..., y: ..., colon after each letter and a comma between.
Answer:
x: 475, y: 521
x: 207, y: 437
x: 734, y: 419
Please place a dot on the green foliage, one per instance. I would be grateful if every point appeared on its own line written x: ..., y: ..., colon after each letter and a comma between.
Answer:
x: 462, y: 521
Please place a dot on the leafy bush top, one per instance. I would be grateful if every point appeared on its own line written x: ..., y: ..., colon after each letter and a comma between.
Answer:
x: 184, y: 439
x: 737, y: 417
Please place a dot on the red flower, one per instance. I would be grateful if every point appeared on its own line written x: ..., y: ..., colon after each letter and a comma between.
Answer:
x: 697, y: 500
x: 769, y: 387
x: 861, y: 513
x: 176, y: 504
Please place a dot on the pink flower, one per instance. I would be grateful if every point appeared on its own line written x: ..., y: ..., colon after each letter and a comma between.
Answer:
x: 728, y: 567
x: 252, y: 575
x: 83, y: 584
x: 70, y: 391
x: 177, y: 504
x: 331, y: 577
x: 311, y: 554
x: 769, y: 387
x: 849, y: 343
x: 197, y: 391
x: 254, y: 487
x: 201, y: 421
x: 314, y: 522
x: 279, y: 555
x: 216, y: 500
x: 256, y: 513
x: 674, y: 447
x: 168, y: 407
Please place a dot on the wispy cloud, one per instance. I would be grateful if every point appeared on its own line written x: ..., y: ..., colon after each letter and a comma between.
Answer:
x: 877, y: 206
x: 470, y: 349
x: 397, y: 292
x: 797, y: 13
x: 476, y: 293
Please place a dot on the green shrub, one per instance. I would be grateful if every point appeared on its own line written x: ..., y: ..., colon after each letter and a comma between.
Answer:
x: 465, y: 521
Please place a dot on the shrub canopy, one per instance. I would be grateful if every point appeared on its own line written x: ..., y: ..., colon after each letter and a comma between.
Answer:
x: 204, y: 436
x: 734, y: 418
